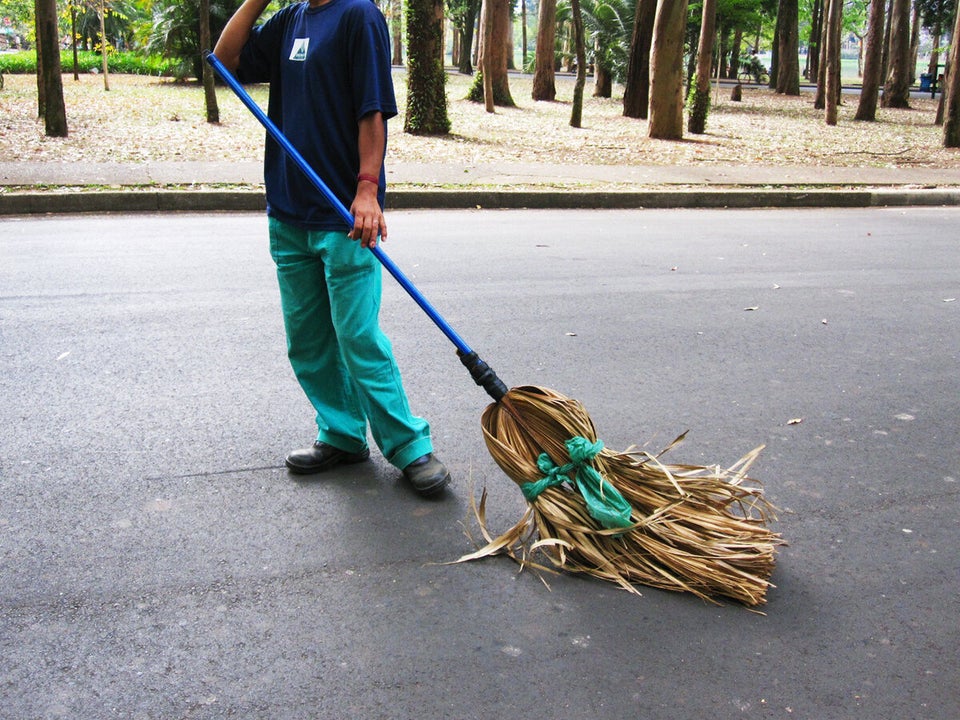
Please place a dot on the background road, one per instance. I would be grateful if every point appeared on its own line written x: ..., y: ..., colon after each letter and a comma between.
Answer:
x: 158, y: 562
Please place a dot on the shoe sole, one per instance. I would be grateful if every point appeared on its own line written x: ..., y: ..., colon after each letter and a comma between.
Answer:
x: 431, y: 490
x: 315, y: 469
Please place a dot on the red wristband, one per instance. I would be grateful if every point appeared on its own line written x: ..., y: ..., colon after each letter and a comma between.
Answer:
x: 368, y: 178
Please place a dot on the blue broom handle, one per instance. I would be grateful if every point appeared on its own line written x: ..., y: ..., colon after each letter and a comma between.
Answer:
x: 334, y: 201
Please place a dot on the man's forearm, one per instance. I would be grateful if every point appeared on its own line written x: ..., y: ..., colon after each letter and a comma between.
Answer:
x: 371, y: 143
x: 236, y: 32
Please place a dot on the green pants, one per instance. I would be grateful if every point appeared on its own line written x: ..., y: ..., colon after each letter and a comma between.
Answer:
x: 330, y: 291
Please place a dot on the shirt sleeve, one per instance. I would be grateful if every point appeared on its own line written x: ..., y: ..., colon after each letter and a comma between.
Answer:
x: 372, y: 79
x: 261, y: 53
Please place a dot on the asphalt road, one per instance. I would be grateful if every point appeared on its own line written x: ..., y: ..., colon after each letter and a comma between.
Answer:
x: 158, y: 562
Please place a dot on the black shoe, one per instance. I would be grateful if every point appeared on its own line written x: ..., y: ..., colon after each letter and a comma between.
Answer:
x: 427, y: 475
x: 322, y: 457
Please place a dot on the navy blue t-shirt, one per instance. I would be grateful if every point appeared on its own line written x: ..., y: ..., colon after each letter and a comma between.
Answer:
x: 327, y: 67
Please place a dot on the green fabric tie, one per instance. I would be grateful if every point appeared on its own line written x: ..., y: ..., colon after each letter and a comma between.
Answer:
x: 604, y: 502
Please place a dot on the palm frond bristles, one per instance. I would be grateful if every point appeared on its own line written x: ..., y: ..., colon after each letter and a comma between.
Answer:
x: 696, y: 529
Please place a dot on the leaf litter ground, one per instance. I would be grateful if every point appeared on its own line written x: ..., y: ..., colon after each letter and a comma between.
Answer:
x: 144, y: 119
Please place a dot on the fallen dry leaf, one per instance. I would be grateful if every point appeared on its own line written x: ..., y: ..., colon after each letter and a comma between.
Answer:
x: 125, y: 126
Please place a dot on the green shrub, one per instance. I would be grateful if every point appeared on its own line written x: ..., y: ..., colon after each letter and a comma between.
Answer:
x: 19, y: 63
x: 126, y: 63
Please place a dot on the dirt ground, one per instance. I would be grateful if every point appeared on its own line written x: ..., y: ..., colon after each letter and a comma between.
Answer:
x: 149, y: 119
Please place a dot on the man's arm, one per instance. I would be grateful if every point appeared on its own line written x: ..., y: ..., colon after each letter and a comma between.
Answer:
x: 367, y: 213
x: 236, y: 32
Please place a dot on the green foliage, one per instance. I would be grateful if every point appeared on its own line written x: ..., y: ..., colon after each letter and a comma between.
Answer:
x: 751, y: 64
x: 608, y: 25
x: 936, y: 11
x: 127, y: 63
x: 462, y: 11
x: 500, y: 97
x: 475, y: 93
x: 20, y: 15
x: 19, y: 63
x: 176, y: 32
x: 124, y: 22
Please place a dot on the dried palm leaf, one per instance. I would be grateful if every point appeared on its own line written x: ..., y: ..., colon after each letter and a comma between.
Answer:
x: 691, y: 528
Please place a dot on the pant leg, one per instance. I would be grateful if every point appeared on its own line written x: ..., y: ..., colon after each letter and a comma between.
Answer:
x: 312, y: 340
x: 354, y: 279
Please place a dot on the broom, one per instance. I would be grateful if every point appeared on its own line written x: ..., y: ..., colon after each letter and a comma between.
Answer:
x: 623, y: 517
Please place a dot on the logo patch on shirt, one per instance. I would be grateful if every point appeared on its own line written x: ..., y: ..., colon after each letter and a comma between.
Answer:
x: 299, y: 51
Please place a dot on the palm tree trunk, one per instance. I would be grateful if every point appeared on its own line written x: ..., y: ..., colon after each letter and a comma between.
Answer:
x: 872, y: 65
x: 50, y: 81
x: 666, y: 71
x: 697, y: 123
x: 544, y: 74
x: 636, y: 94
x: 832, y: 85
x: 951, y: 93
x: 576, y: 113
x: 896, y: 90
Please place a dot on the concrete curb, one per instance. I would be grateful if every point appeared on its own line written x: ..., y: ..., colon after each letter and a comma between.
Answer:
x: 37, y: 203
x: 33, y: 203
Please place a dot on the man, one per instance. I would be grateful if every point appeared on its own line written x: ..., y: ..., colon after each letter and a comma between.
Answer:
x: 331, y: 93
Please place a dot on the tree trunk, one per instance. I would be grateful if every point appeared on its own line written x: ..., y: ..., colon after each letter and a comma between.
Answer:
x: 396, y: 29
x: 603, y: 82
x: 49, y: 78
x: 788, y: 69
x: 722, y: 50
x: 104, y: 43
x: 733, y: 71
x: 941, y: 104
x: 73, y: 42
x: 775, y: 54
x: 508, y: 41
x: 495, y: 23
x: 832, y: 86
x: 464, y: 25
x: 819, y: 98
x: 700, y: 107
x: 636, y: 94
x: 896, y: 90
x: 813, y: 47
x: 544, y: 73
x: 933, y: 67
x: 523, y: 38
x: 951, y: 92
x: 691, y: 71
x: 41, y: 92
x: 470, y: 37
x: 860, y: 44
x: 426, y: 78
x: 937, y: 33
x: 886, y: 41
x: 486, y: 56
x: 872, y: 64
x: 914, y: 43
x: 666, y: 71
x: 576, y: 112
x: 209, y: 86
